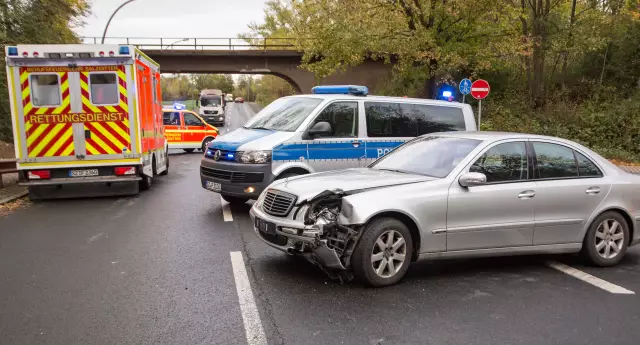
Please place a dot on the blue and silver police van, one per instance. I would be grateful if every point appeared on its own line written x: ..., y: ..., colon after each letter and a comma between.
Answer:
x: 335, y: 127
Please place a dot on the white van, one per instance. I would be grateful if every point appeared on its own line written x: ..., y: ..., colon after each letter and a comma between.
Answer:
x: 336, y: 127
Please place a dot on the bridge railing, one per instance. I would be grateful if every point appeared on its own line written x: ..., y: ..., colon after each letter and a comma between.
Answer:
x: 199, y: 43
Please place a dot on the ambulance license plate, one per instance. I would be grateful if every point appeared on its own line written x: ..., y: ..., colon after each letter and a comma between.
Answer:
x: 264, y: 226
x: 213, y: 186
x: 83, y: 173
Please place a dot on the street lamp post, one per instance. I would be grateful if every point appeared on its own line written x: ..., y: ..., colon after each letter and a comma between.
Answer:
x: 113, y: 14
x: 178, y: 41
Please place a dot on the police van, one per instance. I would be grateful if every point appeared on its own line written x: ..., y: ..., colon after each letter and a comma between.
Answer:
x: 335, y: 127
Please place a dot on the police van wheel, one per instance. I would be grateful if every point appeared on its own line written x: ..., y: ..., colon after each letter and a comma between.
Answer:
x: 234, y: 200
x: 189, y: 150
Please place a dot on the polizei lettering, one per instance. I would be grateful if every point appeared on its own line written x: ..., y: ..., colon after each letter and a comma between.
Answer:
x: 75, y: 118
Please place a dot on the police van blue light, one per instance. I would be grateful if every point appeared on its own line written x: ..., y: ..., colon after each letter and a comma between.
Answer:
x: 340, y: 89
x: 334, y: 127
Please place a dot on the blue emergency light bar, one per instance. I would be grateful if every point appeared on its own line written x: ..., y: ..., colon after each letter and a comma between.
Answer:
x: 446, y: 94
x: 124, y: 50
x: 179, y: 106
x: 340, y: 90
x: 12, y: 51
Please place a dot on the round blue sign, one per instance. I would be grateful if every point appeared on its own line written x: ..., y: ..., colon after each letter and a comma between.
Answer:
x: 465, y: 86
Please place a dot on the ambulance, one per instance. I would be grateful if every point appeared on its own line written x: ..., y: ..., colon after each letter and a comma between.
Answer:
x: 87, y: 119
x: 186, y: 130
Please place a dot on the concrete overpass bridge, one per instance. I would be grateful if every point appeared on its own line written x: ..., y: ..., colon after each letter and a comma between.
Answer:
x: 273, y: 56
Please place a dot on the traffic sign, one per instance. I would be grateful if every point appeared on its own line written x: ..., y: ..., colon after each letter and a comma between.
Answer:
x: 465, y: 86
x: 480, y: 89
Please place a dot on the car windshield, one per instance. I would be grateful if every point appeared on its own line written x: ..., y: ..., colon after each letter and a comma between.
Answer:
x: 284, y: 114
x: 212, y: 101
x: 431, y: 156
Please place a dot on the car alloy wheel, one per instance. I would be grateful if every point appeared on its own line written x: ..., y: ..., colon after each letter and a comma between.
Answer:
x: 388, y: 254
x: 609, y: 239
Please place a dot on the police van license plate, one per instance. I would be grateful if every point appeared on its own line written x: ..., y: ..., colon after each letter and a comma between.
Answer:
x: 212, y: 186
x: 264, y: 226
x: 83, y: 173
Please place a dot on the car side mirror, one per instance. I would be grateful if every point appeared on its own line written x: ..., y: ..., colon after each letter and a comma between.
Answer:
x: 472, y: 179
x: 319, y: 129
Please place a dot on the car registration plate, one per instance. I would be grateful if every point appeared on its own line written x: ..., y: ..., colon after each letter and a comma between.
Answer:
x: 213, y: 186
x: 83, y: 173
x: 264, y: 226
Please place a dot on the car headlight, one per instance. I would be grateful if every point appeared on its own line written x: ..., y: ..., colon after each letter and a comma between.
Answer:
x: 254, y: 157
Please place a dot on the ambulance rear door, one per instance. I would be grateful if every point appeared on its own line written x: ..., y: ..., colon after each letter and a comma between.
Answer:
x: 76, y: 107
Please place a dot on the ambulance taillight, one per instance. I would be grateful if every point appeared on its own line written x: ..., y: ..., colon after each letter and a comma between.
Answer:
x: 121, y: 171
x: 39, y: 174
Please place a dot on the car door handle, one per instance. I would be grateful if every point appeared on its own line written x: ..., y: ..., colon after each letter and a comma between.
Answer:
x: 593, y: 190
x: 356, y: 143
x: 527, y: 194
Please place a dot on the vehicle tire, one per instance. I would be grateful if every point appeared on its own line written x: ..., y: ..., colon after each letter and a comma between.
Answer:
x: 206, y: 143
x: 234, y: 200
x: 384, y: 241
x: 189, y: 150
x: 606, y: 240
x: 154, y: 167
x: 166, y: 162
x: 145, y: 183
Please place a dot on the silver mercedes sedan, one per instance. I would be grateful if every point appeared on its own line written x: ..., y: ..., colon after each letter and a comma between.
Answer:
x: 452, y: 195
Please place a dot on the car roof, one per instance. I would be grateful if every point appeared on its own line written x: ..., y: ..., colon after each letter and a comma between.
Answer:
x: 380, y: 98
x: 494, y: 136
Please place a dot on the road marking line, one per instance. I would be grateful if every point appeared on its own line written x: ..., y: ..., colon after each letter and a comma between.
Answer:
x: 587, y: 278
x: 226, y: 210
x: 248, y: 308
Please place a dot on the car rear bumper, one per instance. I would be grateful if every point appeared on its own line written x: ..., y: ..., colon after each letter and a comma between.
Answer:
x: 83, y: 187
x: 229, y: 176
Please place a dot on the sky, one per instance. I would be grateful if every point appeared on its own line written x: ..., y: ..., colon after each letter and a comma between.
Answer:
x: 173, y: 18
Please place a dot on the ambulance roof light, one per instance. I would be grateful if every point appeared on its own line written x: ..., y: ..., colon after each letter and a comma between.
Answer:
x: 12, y: 51
x: 124, y: 50
x: 340, y: 90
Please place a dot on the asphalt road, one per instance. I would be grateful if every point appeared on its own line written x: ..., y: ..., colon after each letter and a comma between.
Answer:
x: 156, y: 269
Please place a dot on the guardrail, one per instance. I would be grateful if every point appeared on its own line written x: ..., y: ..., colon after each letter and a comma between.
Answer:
x: 196, y: 43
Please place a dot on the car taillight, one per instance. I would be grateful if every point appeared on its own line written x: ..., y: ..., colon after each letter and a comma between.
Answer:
x: 39, y: 174
x: 125, y: 171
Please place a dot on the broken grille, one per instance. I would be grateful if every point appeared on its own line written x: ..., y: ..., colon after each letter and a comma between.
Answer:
x: 277, y: 203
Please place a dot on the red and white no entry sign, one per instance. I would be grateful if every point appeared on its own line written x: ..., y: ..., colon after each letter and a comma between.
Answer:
x: 480, y: 89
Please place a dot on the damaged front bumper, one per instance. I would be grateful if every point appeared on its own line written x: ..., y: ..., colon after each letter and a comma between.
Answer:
x: 328, y: 245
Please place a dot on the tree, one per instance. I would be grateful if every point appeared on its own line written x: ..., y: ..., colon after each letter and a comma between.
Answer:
x: 223, y: 82
x: 34, y: 22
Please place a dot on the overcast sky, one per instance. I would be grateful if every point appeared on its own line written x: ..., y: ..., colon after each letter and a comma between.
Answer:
x: 173, y: 18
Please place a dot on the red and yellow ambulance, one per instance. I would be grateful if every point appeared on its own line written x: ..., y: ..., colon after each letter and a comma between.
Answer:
x: 186, y: 130
x: 87, y: 119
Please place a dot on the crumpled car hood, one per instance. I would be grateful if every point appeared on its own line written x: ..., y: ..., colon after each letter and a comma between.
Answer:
x: 307, y: 186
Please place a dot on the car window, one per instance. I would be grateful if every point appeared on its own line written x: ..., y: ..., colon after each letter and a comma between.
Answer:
x: 192, y: 120
x: 503, y: 163
x: 343, y: 118
x: 104, y: 88
x: 431, y: 156
x: 171, y: 118
x: 586, y: 168
x: 386, y: 119
x: 555, y: 161
x: 45, y: 89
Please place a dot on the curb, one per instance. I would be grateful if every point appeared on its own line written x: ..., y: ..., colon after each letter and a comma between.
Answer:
x: 13, y: 197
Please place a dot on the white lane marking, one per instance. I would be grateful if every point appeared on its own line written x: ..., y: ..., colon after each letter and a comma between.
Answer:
x: 95, y: 237
x: 248, y: 308
x: 587, y: 278
x: 226, y: 210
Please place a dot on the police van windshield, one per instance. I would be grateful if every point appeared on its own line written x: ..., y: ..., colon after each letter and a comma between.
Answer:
x: 211, y: 101
x: 284, y: 114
